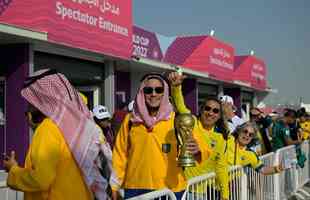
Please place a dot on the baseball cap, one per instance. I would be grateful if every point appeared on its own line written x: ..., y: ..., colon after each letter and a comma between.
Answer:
x: 227, y: 99
x: 130, y: 106
x: 101, y: 112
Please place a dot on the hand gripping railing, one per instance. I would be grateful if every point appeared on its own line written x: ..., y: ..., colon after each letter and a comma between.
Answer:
x: 260, y: 187
x: 5, y: 192
x: 285, y: 183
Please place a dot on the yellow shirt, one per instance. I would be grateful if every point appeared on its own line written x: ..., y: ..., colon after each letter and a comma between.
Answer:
x: 305, y: 129
x: 242, y: 156
x: 217, y: 160
x: 147, y: 160
x: 50, y: 170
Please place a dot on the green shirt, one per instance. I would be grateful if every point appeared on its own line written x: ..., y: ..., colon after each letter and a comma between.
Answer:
x: 279, y: 133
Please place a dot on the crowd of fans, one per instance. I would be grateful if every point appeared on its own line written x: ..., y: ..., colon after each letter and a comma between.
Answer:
x: 80, y: 154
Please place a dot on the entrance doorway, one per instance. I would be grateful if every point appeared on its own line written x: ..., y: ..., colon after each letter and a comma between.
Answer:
x: 92, y: 93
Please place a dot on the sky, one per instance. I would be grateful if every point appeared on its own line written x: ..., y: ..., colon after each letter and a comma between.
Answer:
x: 278, y: 31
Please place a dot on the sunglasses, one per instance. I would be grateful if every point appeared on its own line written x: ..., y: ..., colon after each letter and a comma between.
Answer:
x: 247, y: 132
x: 214, y: 110
x: 150, y: 90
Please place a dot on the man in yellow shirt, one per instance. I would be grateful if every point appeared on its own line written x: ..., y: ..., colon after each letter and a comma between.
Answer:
x: 145, y: 151
x: 212, y: 128
x: 43, y: 177
x: 63, y: 158
x: 304, y: 123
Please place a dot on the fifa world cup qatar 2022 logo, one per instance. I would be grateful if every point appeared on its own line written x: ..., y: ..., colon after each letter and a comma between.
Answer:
x: 4, y: 4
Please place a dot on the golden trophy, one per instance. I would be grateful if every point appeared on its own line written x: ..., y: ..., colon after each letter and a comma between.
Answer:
x: 184, y: 125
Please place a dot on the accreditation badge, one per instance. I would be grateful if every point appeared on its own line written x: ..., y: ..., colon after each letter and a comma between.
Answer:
x: 166, y: 148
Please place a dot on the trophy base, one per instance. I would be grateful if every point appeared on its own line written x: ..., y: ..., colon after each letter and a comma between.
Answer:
x: 186, y: 162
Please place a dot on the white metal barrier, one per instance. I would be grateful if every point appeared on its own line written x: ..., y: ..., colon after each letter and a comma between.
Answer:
x: 245, y: 184
x: 260, y: 187
x: 237, y: 182
x: 204, y: 187
x: 248, y: 184
x: 286, y: 181
x: 5, y: 192
x: 267, y: 182
x: 304, y: 172
x: 164, y: 194
x: 201, y: 187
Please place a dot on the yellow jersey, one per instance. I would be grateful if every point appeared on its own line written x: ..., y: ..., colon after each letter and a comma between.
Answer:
x: 50, y: 169
x: 241, y: 156
x: 216, y: 162
x: 145, y: 159
x: 305, y: 126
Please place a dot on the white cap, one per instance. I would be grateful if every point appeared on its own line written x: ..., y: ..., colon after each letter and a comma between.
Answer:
x: 101, y: 112
x: 227, y: 99
x: 130, y: 106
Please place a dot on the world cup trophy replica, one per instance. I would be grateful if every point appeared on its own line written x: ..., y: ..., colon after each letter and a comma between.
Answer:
x: 184, y: 125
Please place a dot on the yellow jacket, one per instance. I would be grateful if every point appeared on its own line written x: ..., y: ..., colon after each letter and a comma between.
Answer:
x: 147, y: 160
x: 242, y: 156
x: 50, y: 170
x: 305, y: 129
x: 223, y: 152
x: 217, y: 160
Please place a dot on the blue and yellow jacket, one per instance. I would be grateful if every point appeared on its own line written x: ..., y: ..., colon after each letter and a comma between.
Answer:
x: 217, y: 161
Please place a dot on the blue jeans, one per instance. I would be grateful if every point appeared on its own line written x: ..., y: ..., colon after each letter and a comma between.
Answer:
x: 129, y: 193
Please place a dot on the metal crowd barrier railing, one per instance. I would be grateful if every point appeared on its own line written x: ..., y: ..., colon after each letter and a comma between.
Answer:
x: 267, y: 182
x: 260, y: 187
x: 164, y: 194
x: 204, y: 186
x: 304, y: 173
x: 245, y: 183
x: 5, y: 192
x: 238, y: 181
x: 286, y: 181
x: 201, y: 187
x: 248, y: 184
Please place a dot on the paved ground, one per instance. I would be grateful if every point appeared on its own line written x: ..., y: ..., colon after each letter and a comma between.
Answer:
x: 303, y: 194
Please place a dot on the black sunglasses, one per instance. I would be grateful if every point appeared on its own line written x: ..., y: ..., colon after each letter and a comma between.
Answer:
x: 247, y: 132
x: 150, y: 90
x: 214, y: 110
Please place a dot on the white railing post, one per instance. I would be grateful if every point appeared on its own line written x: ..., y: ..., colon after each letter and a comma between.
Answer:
x: 244, y: 184
x: 157, y: 194
x: 276, y: 177
x: 5, y: 192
